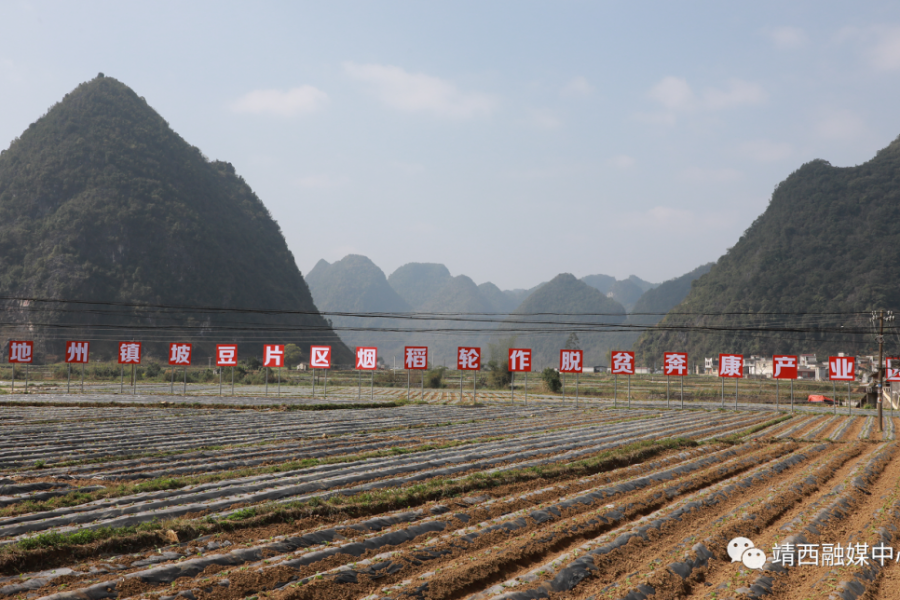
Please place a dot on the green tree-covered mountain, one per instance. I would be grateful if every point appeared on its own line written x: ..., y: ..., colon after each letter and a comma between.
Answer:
x: 564, y: 294
x: 827, y: 243
x: 101, y: 201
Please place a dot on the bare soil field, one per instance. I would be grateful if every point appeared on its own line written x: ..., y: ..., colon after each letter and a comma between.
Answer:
x: 436, y: 501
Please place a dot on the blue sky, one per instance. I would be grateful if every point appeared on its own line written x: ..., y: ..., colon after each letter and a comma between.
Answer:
x: 510, y: 141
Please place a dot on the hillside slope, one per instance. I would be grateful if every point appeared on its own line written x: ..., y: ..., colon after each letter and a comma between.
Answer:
x: 655, y: 303
x: 101, y: 201
x: 827, y: 243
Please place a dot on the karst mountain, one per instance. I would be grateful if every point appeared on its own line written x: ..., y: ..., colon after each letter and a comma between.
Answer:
x: 102, y: 202
x: 825, y: 252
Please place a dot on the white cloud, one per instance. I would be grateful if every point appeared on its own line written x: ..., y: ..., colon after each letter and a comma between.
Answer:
x: 885, y: 54
x: 675, y: 94
x: 765, y: 151
x: 840, y: 125
x: 788, y: 38
x: 543, y: 118
x: 299, y: 100
x: 417, y: 92
x: 879, y: 44
x: 699, y: 175
x: 577, y: 87
x: 737, y: 93
x: 622, y: 162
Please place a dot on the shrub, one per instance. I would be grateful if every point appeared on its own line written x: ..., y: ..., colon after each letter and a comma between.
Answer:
x: 434, y: 378
x: 551, y: 379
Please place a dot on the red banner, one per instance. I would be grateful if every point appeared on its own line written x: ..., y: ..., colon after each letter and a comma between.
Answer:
x: 571, y: 361
x: 520, y: 360
x: 273, y: 355
x: 320, y: 357
x: 841, y: 368
x: 179, y: 354
x: 77, y: 352
x: 784, y: 366
x: 129, y: 353
x: 415, y: 357
x: 622, y: 362
x: 731, y: 365
x: 675, y: 364
x: 468, y: 359
x: 21, y: 351
x: 366, y: 358
x: 226, y: 355
x: 892, y: 373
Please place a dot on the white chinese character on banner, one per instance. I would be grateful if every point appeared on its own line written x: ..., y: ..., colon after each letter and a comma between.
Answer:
x: 519, y: 360
x: 365, y: 358
x: 20, y: 352
x: 226, y: 356
x: 274, y: 355
x: 623, y: 363
x: 784, y: 361
x: 675, y: 363
x: 130, y: 352
x: 180, y: 354
x: 77, y: 352
x: 571, y: 361
x: 893, y: 369
x: 731, y: 365
x: 320, y: 357
x: 468, y: 358
x: 842, y: 368
x: 416, y: 358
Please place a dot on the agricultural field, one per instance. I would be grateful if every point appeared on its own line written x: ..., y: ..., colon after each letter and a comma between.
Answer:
x: 436, y: 500
x: 340, y: 385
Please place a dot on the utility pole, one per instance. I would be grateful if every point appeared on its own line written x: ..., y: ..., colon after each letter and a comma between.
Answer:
x: 880, y: 363
x: 880, y: 371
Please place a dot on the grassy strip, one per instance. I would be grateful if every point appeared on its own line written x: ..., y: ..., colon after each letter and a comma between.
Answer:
x: 738, y: 437
x: 173, y: 483
x: 47, y: 548
x: 767, y: 424
x: 143, y: 455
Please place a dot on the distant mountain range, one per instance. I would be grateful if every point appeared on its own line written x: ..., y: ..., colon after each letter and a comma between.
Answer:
x: 356, y: 284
